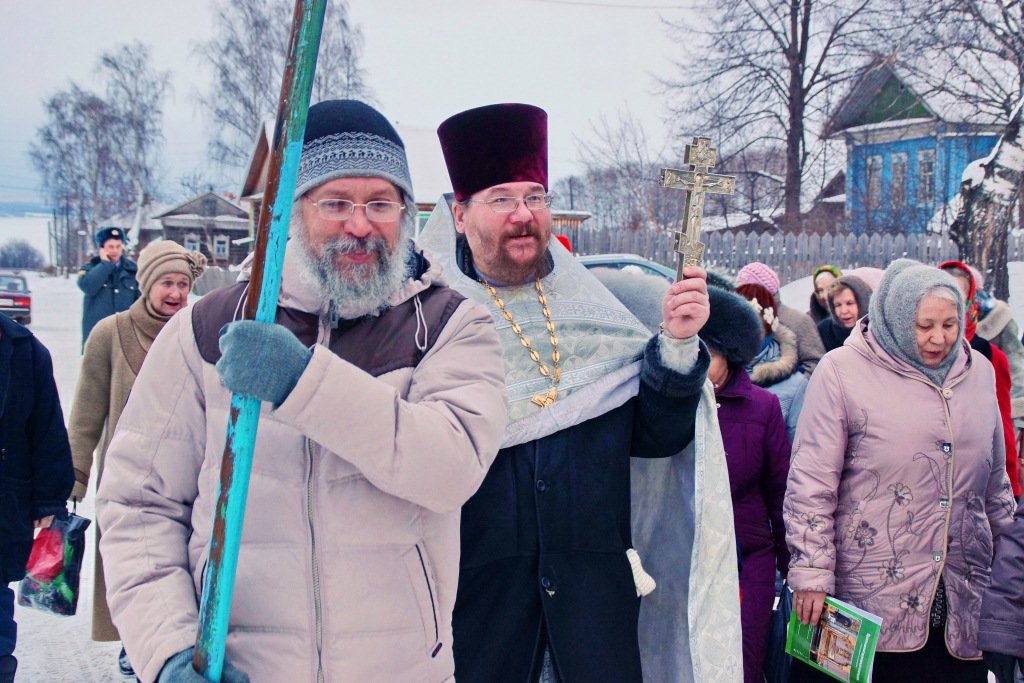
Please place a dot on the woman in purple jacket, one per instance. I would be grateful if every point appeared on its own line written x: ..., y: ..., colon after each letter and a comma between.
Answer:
x: 757, y: 455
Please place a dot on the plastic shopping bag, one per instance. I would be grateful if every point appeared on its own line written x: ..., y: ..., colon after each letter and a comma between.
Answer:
x: 54, y: 567
x: 777, y: 663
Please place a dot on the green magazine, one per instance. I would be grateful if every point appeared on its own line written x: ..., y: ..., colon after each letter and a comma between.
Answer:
x: 842, y: 643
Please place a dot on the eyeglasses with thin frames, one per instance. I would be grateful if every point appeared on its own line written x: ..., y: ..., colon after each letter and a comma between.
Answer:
x: 378, y: 211
x: 533, y: 202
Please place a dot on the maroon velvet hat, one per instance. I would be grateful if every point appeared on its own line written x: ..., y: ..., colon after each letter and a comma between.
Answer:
x: 499, y: 143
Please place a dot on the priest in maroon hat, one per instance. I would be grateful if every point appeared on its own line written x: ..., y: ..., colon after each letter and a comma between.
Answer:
x: 549, y: 579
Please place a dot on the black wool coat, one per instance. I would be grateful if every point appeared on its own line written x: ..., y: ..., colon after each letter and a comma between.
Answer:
x: 35, y: 460
x: 108, y: 290
x: 544, y: 542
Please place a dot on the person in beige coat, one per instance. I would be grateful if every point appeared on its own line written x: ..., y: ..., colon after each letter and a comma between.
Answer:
x: 383, y: 408
x: 113, y: 357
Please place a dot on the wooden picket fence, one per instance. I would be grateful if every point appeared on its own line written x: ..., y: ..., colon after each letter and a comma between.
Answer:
x: 792, y: 256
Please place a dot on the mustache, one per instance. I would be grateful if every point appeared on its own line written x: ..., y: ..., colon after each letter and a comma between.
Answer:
x: 349, y: 245
x: 525, y: 231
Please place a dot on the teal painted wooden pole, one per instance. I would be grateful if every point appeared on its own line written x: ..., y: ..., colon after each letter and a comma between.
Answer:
x: 271, y: 237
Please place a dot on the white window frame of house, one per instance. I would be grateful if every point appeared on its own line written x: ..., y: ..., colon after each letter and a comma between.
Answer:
x: 221, y: 246
x: 898, y: 194
x: 873, y: 182
x: 191, y: 241
x: 926, y: 180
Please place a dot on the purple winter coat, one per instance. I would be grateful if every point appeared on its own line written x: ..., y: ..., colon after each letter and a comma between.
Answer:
x: 896, y: 482
x: 757, y: 456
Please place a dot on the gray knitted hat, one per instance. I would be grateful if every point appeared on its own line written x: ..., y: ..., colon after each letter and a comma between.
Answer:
x: 350, y: 138
x: 894, y: 312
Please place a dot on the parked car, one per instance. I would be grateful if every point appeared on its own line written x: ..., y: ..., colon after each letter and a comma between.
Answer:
x: 621, y: 261
x: 15, y: 299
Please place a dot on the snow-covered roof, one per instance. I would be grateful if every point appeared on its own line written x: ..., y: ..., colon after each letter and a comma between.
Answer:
x: 224, y: 206
x: 939, y: 105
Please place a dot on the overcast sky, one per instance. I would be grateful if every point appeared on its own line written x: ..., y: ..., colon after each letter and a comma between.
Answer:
x: 578, y: 59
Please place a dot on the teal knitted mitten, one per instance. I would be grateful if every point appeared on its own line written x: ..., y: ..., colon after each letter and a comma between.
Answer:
x: 262, y: 360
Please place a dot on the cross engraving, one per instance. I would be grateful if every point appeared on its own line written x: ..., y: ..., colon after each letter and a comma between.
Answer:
x: 697, y: 181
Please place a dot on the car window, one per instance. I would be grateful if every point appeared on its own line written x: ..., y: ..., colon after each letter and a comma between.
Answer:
x: 12, y: 283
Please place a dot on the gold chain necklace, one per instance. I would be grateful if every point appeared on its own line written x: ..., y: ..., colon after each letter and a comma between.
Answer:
x: 554, y: 375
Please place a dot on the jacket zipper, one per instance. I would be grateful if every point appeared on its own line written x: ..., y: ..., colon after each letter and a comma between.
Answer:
x: 430, y: 593
x: 316, y: 567
x: 949, y: 511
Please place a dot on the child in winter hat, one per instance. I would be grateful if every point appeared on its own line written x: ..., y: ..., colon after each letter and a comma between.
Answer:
x: 757, y: 273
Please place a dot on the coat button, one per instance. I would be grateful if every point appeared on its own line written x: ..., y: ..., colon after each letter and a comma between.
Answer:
x: 947, y: 393
x: 542, y: 485
x: 548, y: 585
x: 937, y: 557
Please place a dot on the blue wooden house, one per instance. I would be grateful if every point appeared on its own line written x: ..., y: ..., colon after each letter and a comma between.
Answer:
x: 906, y: 149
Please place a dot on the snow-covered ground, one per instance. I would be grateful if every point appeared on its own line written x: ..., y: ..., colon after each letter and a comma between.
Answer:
x: 55, y: 649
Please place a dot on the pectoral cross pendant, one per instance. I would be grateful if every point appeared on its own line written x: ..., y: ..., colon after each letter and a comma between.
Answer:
x: 546, y: 399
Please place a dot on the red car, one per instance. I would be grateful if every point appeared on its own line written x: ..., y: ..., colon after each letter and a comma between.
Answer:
x: 15, y: 299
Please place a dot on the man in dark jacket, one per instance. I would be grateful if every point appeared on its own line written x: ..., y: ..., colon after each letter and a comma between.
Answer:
x: 35, y: 465
x: 108, y: 280
x: 548, y: 583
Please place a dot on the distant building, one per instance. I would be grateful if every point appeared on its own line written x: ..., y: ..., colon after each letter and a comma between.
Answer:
x: 210, y: 223
x: 907, y: 148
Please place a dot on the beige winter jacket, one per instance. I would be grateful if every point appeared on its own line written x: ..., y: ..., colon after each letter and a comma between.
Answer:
x: 349, y: 559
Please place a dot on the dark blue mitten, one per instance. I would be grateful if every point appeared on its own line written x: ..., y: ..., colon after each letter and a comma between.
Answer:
x: 262, y: 360
x: 178, y: 669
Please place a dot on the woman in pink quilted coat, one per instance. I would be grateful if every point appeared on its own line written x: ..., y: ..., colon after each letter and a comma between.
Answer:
x: 897, y: 488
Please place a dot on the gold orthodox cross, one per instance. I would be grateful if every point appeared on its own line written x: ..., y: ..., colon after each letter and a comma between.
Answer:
x: 697, y: 181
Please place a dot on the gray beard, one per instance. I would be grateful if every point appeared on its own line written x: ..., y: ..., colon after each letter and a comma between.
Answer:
x: 355, y: 290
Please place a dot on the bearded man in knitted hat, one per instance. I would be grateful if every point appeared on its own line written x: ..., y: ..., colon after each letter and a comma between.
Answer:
x: 549, y: 575
x: 383, y: 408
x: 107, y: 279
x: 113, y: 357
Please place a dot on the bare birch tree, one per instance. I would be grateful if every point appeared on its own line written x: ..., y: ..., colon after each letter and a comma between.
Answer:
x: 990, y: 189
x: 758, y: 73
x: 620, y: 183
x: 247, y: 56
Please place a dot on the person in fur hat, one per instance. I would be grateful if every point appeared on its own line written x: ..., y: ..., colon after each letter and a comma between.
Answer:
x: 776, y: 365
x: 757, y: 454
x: 108, y: 280
x: 113, y: 357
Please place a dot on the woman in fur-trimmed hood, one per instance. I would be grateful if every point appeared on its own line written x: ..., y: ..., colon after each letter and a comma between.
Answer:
x: 776, y: 366
x: 757, y: 455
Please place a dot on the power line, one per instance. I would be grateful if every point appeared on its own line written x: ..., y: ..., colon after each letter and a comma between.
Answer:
x: 609, y: 5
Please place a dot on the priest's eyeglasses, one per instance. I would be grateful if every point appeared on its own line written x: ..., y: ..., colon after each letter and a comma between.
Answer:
x: 379, y: 210
x: 533, y: 202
